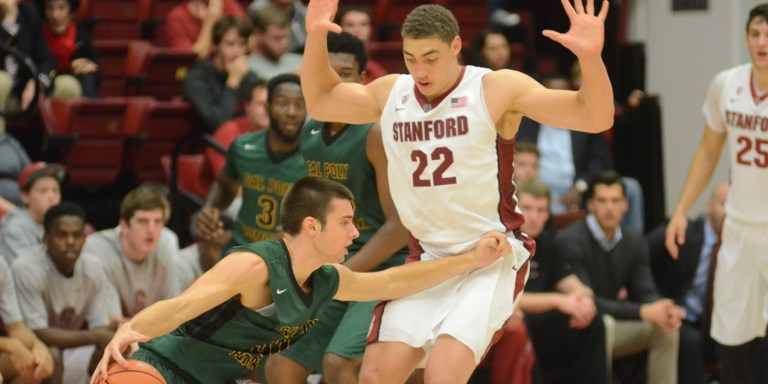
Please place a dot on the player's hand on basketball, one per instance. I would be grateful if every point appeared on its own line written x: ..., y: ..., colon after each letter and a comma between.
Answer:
x: 492, y: 246
x: 125, y: 340
x: 675, y: 234
x: 587, y: 32
x: 320, y: 14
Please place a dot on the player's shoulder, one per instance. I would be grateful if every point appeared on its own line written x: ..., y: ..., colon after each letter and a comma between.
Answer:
x: 739, y: 71
x: 31, y: 261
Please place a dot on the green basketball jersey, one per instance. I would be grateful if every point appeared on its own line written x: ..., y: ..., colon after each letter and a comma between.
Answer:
x: 265, y: 177
x: 230, y: 340
x: 343, y: 158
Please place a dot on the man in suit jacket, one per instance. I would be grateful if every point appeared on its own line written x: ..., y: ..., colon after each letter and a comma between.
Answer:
x: 686, y: 280
x: 609, y: 258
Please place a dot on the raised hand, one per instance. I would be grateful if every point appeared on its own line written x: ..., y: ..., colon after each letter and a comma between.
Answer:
x: 320, y: 14
x: 587, y: 32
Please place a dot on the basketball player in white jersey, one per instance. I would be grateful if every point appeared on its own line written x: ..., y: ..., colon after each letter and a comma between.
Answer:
x: 450, y: 171
x: 736, y: 111
x: 139, y: 257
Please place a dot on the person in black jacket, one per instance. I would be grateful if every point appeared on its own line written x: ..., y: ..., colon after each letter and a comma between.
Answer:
x: 70, y: 44
x: 611, y: 258
x: 21, y: 28
x: 686, y: 281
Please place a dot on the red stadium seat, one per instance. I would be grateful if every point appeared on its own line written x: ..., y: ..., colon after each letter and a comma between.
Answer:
x: 389, y: 54
x: 112, y: 62
x: 154, y: 129
x: 190, y: 175
x: 114, y: 19
x: 89, y: 135
x: 156, y: 71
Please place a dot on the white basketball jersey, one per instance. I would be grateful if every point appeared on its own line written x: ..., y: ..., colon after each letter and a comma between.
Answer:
x: 450, y: 174
x: 734, y: 107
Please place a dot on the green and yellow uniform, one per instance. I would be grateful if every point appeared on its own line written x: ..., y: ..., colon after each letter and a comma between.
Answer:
x: 265, y: 177
x: 343, y: 158
x: 230, y: 341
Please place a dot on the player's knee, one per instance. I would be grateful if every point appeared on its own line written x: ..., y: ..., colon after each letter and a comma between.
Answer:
x: 371, y: 374
x: 282, y: 370
x: 335, y: 366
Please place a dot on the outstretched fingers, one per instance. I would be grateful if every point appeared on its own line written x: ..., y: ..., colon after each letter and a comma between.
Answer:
x: 603, y: 11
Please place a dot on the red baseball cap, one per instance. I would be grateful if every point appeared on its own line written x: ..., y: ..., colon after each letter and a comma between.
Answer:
x: 39, y: 169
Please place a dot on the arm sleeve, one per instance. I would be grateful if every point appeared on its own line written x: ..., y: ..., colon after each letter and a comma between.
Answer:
x: 215, y: 103
x: 713, y: 115
x: 175, y: 33
x: 640, y: 286
x: 29, y: 288
x: 16, y: 240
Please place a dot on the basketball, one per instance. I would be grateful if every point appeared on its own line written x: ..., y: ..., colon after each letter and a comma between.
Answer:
x: 138, y: 372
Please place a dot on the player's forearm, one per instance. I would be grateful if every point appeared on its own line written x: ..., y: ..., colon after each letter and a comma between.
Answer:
x: 317, y: 76
x: 701, y: 170
x: 390, y: 238
x: 408, y: 279
x: 66, y: 338
x: 596, y: 95
x: 158, y: 319
x: 202, y: 45
x: 219, y: 196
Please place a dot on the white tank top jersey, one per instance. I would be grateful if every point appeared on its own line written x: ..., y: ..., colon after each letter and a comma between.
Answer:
x: 450, y: 174
x: 734, y: 106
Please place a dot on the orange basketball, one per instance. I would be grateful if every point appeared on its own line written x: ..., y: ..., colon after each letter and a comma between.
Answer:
x: 138, y: 372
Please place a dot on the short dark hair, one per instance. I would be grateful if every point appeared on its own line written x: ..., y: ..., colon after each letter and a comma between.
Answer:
x: 759, y: 11
x: 430, y: 20
x: 143, y: 198
x: 310, y: 197
x: 225, y: 24
x: 279, y: 79
x: 608, y: 178
x: 347, y: 43
x: 64, y: 208
x: 527, y: 147
x: 73, y: 6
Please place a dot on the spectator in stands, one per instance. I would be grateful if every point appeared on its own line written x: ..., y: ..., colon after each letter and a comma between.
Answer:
x: 40, y: 185
x: 296, y: 12
x: 61, y: 289
x: 609, y: 257
x: 215, y: 87
x: 199, y: 257
x: 491, y: 49
x: 13, y: 159
x: 356, y: 19
x: 255, y: 119
x: 559, y: 310
x: 270, y: 55
x: 23, y: 357
x: 570, y: 158
x: 526, y: 162
x: 265, y: 163
x: 687, y: 279
x: 190, y: 25
x: 139, y: 257
x: 23, y: 29
x: 71, y: 45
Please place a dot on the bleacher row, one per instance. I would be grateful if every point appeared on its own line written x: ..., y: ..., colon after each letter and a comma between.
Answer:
x: 142, y: 116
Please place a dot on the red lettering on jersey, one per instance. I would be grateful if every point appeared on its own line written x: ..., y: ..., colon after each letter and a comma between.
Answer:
x: 463, y: 125
x: 439, y: 126
x: 450, y: 127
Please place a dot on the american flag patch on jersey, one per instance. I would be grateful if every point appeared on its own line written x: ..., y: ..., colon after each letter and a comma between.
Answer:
x: 457, y: 102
